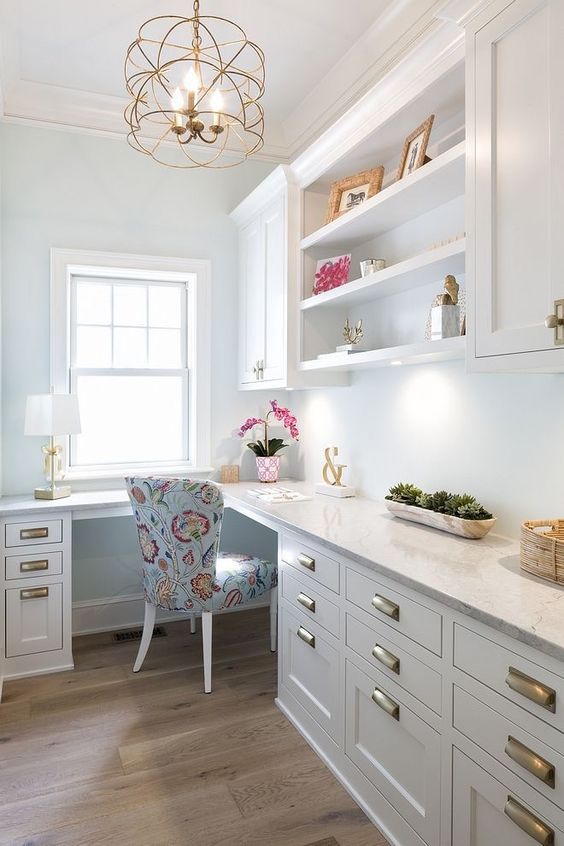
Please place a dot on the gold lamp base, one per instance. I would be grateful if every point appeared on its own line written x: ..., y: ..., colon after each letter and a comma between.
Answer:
x: 52, y: 493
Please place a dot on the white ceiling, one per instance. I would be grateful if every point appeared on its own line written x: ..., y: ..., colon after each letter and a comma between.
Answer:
x: 62, y: 61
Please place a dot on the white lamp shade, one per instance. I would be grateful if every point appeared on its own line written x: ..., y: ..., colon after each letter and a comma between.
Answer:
x: 52, y: 414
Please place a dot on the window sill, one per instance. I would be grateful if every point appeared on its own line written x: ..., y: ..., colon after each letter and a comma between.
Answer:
x: 89, y: 474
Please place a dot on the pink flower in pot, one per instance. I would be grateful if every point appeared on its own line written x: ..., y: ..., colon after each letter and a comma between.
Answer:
x: 268, y: 462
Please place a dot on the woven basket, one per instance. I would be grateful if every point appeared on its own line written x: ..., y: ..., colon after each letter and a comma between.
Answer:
x: 542, y: 552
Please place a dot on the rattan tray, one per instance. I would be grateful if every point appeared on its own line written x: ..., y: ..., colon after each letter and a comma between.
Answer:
x: 542, y: 549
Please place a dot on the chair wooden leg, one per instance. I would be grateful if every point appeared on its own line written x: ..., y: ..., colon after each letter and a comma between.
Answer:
x: 207, y: 646
x: 273, y: 618
x: 192, y: 624
x: 148, y: 626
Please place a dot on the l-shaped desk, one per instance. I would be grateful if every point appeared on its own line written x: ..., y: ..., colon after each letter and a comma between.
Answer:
x: 426, y: 670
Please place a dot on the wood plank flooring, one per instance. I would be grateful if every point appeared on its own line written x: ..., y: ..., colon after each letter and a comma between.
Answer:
x: 101, y: 757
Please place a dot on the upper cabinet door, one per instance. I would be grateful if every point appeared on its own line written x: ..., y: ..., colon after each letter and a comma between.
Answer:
x: 274, y: 240
x: 516, y: 183
x: 252, y: 301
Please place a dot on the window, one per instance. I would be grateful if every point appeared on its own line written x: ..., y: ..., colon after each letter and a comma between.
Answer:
x: 131, y: 339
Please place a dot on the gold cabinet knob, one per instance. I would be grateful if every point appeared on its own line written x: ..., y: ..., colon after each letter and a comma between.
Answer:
x: 552, y: 321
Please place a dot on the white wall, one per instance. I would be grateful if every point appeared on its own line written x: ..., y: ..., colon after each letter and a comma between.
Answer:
x: 500, y: 438
x: 70, y: 190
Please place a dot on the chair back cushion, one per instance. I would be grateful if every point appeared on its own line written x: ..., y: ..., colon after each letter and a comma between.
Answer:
x: 178, y: 524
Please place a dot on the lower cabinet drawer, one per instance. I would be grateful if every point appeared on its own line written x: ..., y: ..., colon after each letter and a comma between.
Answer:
x: 486, y: 812
x: 312, y: 563
x: 395, y: 749
x: 528, y: 685
x: 32, y: 566
x: 396, y: 663
x: 33, y: 532
x: 305, y: 599
x: 539, y: 765
x: 310, y: 669
x: 34, y: 619
x: 396, y: 610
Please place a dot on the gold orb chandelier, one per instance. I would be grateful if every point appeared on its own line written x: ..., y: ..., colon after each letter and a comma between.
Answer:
x: 195, y: 93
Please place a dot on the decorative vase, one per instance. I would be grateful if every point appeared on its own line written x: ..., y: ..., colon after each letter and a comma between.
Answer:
x: 268, y: 468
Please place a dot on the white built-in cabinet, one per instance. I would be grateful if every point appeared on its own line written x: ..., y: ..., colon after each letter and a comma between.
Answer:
x: 446, y: 731
x: 262, y: 295
x: 267, y: 234
x: 515, y: 179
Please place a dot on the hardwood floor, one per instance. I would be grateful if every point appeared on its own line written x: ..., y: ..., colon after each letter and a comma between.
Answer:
x: 101, y: 756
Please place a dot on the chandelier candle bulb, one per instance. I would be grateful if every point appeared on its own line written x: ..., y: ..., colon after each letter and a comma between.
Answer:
x: 177, y: 103
x: 192, y: 86
x: 217, y: 105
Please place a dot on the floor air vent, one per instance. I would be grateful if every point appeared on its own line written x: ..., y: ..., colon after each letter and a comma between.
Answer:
x: 136, y: 634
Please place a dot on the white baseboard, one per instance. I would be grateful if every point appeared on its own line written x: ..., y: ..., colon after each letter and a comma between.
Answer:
x: 110, y: 613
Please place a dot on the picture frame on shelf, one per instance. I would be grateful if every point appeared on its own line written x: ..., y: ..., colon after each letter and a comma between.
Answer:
x: 348, y: 193
x: 331, y: 273
x: 414, y: 152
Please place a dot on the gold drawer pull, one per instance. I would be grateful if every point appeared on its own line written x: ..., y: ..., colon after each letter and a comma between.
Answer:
x: 532, y: 689
x: 527, y: 759
x: 32, y: 534
x: 386, y: 606
x: 307, y: 562
x: 388, y: 659
x: 32, y: 566
x: 306, y: 601
x: 386, y: 704
x: 34, y: 593
x: 528, y: 823
x: 306, y: 636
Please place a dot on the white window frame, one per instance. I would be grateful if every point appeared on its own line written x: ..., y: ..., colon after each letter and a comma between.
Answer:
x: 195, y: 274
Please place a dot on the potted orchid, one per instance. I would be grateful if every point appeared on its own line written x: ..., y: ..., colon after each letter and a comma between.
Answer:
x: 268, y: 462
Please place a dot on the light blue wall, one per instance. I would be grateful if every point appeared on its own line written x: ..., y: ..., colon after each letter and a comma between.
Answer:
x: 70, y: 190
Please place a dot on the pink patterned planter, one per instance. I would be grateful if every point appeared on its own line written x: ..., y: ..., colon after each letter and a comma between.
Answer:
x: 268, y: 468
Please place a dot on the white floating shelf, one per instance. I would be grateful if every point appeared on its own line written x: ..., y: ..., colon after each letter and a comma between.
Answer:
x: 425, y: 352
x: 403, y: 276
x: 426, y: 188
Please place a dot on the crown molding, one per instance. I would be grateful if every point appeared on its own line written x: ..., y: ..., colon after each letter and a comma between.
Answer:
x: 461, y: 12
x: 392, y: 35
x: 434, y: 56
x: 261, y: 195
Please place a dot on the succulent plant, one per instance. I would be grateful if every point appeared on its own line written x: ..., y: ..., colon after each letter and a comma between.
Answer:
x: 404, y: 492
x: 457, y: 505
x: 438, y: 501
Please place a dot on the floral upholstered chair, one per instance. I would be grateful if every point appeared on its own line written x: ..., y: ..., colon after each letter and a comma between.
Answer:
x: 178, y: 524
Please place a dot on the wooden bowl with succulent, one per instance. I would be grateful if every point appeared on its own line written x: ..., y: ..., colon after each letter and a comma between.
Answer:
x: 459, y: 514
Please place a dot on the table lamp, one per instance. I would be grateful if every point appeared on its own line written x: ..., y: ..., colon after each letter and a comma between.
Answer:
x: 52, y: 414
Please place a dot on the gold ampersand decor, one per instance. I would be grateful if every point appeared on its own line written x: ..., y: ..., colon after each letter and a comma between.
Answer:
x: 336, y: 470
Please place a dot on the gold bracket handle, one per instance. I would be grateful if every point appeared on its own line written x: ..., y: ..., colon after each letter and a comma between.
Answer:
x: 532, y: 689
x: 306, y: 636
x: 32, y: 534
x: 32, y: 566
x: 528, y: 822
x: 556, y: 321
x: 306, y: 601
x: 530, y: 761
x: 388, y: 659
x: 386, y: 606
x: 307, y: 562
x: 386, y: 704
x: 34, y: 593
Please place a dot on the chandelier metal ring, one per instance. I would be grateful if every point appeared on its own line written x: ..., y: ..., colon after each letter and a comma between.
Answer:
x: 196, y: 85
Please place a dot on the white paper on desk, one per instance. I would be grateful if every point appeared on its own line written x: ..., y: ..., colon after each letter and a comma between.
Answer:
x: 277, y: 495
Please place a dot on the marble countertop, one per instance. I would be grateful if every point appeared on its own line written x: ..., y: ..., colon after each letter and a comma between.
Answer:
x: 480, y: 578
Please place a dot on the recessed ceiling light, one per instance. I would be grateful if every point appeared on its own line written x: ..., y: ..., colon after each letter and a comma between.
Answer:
x: 396, y: 362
